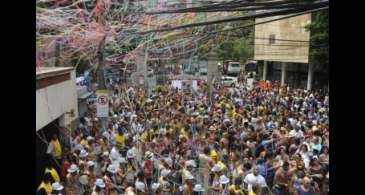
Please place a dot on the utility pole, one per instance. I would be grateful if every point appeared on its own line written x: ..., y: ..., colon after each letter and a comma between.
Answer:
x: 100, y: 76
x: 100, y: 70
x: 57, y: 52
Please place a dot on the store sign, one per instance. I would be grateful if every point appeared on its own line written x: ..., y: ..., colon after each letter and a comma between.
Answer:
x: 102, y: 104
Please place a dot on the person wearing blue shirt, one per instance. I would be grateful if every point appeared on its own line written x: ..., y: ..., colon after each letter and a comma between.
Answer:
x: 261, y: 165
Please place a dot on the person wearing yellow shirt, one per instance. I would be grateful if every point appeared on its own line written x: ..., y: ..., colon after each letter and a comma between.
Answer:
x: 236, y: 187
x: 55, y: 148
x: 54, y: 175
x: 45, y: 185
x: 255, y: 190
x: 120, y: 139
x: 144, y: 136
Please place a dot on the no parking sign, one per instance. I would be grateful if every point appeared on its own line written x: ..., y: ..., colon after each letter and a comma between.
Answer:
x: 102, y: 104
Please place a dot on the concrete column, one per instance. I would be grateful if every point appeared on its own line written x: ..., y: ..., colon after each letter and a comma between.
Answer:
x: 212, y: 69
x: 283, y: 73
x: 264, y: 72
x: 310, y: 76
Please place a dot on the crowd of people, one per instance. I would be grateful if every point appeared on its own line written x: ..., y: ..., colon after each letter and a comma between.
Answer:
x: 233, y: 141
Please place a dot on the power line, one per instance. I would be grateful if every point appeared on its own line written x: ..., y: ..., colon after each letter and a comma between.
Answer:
x: 264, y: 22
x: 246, y: 17
x: 237, y: 6
x: 234, y: 8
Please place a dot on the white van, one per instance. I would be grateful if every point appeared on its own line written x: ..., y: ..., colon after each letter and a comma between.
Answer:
x: 234, y: 68
x: 231, y: 68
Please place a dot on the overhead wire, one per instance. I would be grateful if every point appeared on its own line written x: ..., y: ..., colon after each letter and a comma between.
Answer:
x: 245, y: 17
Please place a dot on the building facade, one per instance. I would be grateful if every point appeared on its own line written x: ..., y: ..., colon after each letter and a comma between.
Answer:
x: 282, y: 50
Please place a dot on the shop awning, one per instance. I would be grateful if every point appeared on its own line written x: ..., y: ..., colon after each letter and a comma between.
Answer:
x: 85, y: 95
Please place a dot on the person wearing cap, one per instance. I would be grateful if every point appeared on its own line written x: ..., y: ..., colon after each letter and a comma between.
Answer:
x: 57, y: 189
x: 188, y: 184
x: 99, y: 187
x: 140, y: 188
x: 156, y: 189
x: 45, y: 185
x: 147, y: 167
x: 165, y: 185
x: 90, y: 172
x: 110, y: 180
x: 223, y: 185
x: 90, y: 148
x: 121, y: 173
x: 216, y: 172
x: 198, y: 189
x: 84, y: 179
x: 72, y: 180
x: 130, y: 173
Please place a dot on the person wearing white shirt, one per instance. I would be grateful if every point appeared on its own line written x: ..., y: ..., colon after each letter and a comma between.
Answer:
x: 254, y: 179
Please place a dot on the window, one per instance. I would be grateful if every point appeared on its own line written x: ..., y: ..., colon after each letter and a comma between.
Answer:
x: 271, y: 39
x: 235, y: 65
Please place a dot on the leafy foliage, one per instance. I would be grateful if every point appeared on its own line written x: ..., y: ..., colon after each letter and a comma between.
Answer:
x: 318, y: 52
x: 237, y: 45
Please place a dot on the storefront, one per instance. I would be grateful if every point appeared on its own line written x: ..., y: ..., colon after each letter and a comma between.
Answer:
x: 56, y: 109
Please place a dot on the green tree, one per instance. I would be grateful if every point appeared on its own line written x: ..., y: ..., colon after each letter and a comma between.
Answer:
x: 238, y: 47
x: 319, y: 47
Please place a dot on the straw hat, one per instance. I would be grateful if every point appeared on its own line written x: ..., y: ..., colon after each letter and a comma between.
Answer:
x: 140, y: 186
x: 83, y: 153
x: 57, y: 186
x: 84, y: 179
x: 216, y: 168
x: 314, y: 128
x: 168, y: 161
x: 223, y: 179
x: 212, y: 128
x: 130, y: 154
x: 198, y: 188
x: 189, y: 176
x: 112, y: 169
x: 122, y: 160
x: 89, y: 138
x: 165, y: 172
x: 190, y: 163
x: 155, y: 186
x: 283, y: 129
x: 73, y: 168
x: 100, y: 183
x: 90, y: 163
x: 148, y: 155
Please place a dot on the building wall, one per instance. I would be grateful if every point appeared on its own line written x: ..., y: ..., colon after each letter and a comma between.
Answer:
x: 287, y: 29
x: 54, y: 101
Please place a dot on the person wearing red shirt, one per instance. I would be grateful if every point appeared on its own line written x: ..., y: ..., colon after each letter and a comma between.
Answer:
x: 65, y: 165
x: 147, y: 167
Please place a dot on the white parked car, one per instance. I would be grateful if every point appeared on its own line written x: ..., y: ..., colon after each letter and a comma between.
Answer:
x: 228, y: 81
